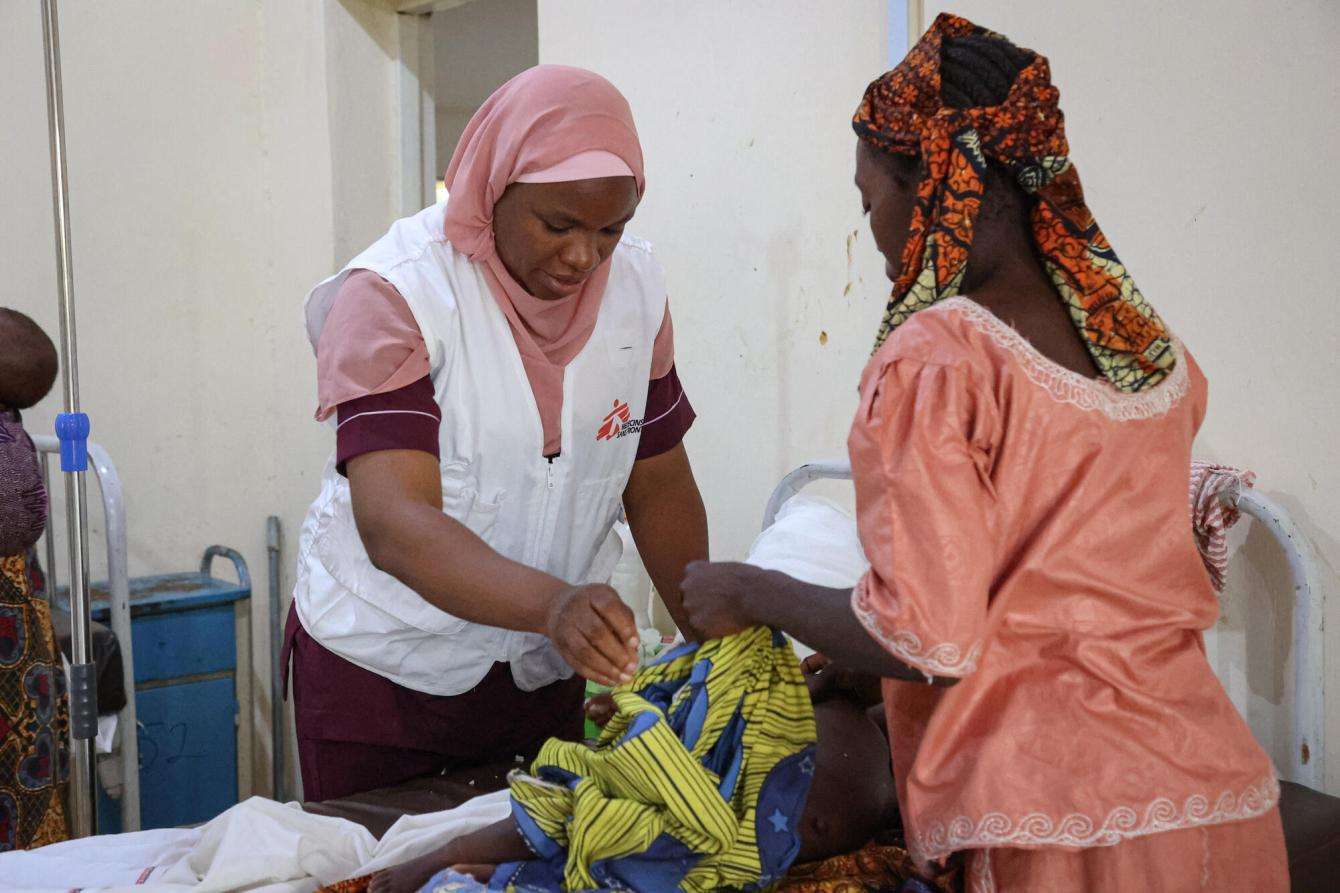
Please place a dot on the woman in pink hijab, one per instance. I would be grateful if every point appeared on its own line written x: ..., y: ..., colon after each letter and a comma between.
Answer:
x: 499, y: 369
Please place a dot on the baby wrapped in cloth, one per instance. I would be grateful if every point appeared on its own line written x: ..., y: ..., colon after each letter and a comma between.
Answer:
x: 697, y: 783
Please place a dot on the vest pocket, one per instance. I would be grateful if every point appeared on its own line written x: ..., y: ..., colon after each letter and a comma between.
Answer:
x: 339, y: 547
x: 462, y: 501
x: 623, y: 348
x: 593, y: 560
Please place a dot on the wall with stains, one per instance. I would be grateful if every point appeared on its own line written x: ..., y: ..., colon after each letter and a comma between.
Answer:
x: 775, y: 286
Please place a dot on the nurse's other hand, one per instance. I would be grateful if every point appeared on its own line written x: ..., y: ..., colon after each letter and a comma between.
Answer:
x: 600, y: 709
x: 595, y: 633
x: 715, y: 596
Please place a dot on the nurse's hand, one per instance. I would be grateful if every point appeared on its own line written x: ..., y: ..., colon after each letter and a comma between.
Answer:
x: 595, y: 632
x: 717, y: 596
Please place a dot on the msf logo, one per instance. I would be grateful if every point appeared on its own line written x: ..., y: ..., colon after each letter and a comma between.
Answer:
x: 618, y: 423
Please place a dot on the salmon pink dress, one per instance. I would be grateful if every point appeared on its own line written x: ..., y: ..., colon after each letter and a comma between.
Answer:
x: 1029, y: 533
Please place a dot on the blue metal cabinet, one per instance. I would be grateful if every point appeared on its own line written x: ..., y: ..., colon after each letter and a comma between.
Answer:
x: 188, y: 751
x: 185, y: 637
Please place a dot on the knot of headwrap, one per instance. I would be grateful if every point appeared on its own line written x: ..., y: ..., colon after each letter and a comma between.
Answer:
x: 903, y: 112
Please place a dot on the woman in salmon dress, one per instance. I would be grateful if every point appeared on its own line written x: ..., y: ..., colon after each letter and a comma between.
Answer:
x: 1021, y: 452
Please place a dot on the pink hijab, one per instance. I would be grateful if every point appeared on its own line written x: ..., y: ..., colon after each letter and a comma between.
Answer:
x: 547, y: 124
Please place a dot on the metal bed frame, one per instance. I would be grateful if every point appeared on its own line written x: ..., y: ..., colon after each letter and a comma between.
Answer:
x: 118, y: 579
x: 1307, y: 753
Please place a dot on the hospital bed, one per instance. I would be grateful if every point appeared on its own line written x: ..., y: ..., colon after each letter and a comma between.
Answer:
x: 1311, y: 819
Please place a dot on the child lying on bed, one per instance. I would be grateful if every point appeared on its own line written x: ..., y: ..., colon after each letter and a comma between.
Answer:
x: 851, y: 797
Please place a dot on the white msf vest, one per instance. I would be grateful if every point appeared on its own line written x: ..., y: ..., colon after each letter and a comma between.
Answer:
x: 555, y: 516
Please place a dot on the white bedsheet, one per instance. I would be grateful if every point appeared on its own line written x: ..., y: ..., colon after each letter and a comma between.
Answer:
x: 258, y: 845
x: 815, y: 540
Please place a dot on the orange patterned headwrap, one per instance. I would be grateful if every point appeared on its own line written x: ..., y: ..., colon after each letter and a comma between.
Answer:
x: 903, y: 112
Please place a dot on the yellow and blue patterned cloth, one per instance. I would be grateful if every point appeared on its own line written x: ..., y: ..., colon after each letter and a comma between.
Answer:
x: 697, y: 783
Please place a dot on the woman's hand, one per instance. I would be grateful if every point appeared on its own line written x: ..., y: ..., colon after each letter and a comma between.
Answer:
x: 717, y: 595
x: 595, y: 632
x: 725, y: 598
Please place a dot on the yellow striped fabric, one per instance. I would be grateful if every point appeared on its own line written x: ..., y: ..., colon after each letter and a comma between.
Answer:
x: 738, y: 704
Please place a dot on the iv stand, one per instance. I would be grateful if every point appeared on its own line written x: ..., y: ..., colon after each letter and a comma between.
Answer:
x: 72, y: 429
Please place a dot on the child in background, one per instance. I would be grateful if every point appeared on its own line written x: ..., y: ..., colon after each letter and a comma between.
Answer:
x: 34, y: 714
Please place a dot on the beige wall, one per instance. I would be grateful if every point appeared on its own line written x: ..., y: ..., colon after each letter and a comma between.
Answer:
x: 222, y: 157
x: 1197, y: 130
x: 476, y: 49
x: 362, y: 59
x: 744, y: 110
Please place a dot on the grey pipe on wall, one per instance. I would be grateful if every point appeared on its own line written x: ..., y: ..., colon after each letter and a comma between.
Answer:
x: 274, y: 540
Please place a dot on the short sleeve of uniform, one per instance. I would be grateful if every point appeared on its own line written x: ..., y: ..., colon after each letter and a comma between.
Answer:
x: 921, y: 451
x: 370, y: 344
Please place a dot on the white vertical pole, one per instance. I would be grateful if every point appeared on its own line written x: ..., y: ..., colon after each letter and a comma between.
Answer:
x: 72, y: 429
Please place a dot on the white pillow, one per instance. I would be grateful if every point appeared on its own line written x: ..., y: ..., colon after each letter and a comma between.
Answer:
x: 815, y: 540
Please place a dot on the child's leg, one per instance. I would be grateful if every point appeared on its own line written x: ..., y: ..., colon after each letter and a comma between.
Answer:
x: 491, y: 845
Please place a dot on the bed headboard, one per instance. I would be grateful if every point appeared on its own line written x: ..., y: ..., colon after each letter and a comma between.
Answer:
x: 1306, y: 764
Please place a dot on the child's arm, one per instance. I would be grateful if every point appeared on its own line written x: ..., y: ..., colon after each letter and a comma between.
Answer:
x: 490, y: 845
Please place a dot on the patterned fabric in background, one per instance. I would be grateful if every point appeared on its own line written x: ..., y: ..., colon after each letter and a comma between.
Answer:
x: 34, y: 717
x: 875, y: 868
x: 1211, y: 518
x: 353, y: 885
x: 697, y: 783
x: 23, y: 494
x: 902, y: 112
